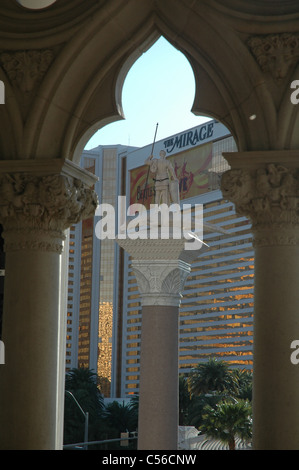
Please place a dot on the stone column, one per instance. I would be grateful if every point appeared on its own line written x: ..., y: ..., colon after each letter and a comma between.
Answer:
x: 265, y: 187
x: 161, y: 267
x: 36, y: 207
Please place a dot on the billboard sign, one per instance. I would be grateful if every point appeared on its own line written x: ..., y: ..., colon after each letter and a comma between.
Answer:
x: 191, y: 171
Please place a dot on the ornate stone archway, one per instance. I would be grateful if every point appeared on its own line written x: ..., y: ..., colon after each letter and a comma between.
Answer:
x: 63, y: 69
x: 64, y: 77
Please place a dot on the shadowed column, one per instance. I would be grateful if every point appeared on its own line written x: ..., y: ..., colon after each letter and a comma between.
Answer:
x: 265, y: 187
x: 158, y: 392
x: 35, y: 211
x: 161, y: 268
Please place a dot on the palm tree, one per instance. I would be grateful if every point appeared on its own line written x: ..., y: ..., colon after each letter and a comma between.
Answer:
x: 243, y: 384
x: 228, y: 420
x: 210, y: 377
x: 197, y: 406
x: 184, y: 400
x: 120, y: 418
x: 134, y: 404
x: 82, y: 383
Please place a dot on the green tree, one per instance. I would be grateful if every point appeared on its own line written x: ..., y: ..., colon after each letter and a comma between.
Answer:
x: 227, y: 421
x: 184, y: 400
x: 82, y: 383
x: 210, y: 377
x: 197, y: 406
x: 120, y: 417
x: 242, y: 379
x: 213, y: 382
x: 134, y: 404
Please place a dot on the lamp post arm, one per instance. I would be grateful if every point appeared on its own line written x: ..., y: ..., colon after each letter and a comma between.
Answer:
x: 86, y: 417
x: 70, y: 393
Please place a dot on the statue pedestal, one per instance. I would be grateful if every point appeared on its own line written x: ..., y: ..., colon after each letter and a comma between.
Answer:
x: 161, y: 268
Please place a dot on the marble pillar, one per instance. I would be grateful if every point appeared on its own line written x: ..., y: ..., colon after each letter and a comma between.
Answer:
x: 265, y: 187
x: 161, y: 268
x: 36, y: 208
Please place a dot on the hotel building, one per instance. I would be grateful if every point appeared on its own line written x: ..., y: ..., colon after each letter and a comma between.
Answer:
x: 93, y: 275
x: 216, y: 312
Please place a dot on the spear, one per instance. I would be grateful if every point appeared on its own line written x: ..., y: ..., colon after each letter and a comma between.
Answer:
x: 149, y: 165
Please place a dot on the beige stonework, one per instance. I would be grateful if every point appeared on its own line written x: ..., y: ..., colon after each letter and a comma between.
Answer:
x: 161, y: 282
x: 161, y: 267
x: 265, y: 188
x: 267, y: 194
x: 36, y: 209
x: 63, y: 68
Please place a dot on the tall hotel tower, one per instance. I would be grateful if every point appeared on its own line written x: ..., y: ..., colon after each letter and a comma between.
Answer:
x: 93, y: 286
x: 216, y: 312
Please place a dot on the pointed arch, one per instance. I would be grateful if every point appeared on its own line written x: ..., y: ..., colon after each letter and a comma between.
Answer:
x: 81, y: 91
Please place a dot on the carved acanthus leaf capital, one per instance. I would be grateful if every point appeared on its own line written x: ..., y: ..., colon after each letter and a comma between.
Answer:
x: 36, y: 210
x: 161, y: 282
x: 269, y: 197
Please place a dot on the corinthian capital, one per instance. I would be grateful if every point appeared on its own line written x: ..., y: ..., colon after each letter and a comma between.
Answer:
x: 269, y: 197
x: 161, y: 267
x: 161, y: 282
x: 36, y: 210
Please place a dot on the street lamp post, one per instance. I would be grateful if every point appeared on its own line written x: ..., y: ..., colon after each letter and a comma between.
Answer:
x: 85, y: 414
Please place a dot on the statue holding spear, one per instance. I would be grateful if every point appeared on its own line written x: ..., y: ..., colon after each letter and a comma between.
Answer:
x: 162, y: 170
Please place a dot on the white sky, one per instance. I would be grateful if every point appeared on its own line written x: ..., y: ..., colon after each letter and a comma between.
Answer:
x: 159, y: 88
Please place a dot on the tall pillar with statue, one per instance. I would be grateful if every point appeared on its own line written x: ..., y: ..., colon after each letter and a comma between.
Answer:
x: 161, y: 266
x: 64, y: 67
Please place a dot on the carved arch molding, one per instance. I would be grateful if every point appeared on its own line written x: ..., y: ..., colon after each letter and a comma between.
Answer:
x: 64, y: 67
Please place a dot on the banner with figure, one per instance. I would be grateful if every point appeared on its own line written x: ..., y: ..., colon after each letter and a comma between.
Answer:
x: 191, y: 168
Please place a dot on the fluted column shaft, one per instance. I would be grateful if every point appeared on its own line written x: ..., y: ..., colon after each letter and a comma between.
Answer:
x: 265, y: 187
x: 35, y: 210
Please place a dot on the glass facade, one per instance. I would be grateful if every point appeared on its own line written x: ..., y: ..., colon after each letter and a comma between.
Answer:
x: 91, y: 282
x: 106, y: 292
x: 79, y: 307
x: 85, y: 294
x: 216, y: 312
x: 73, y: 303
x: 104, y: 309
